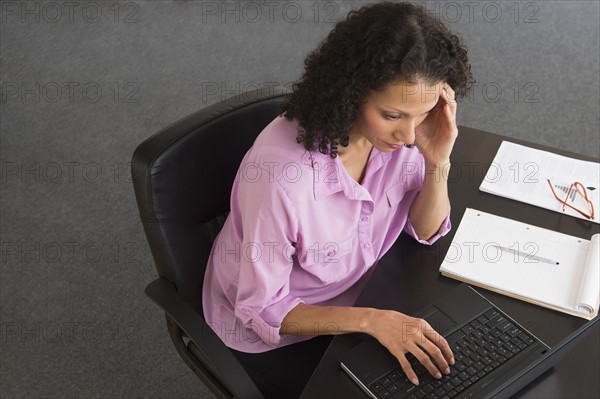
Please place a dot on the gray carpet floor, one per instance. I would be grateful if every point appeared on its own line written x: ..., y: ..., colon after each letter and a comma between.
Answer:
x: 84, y: 84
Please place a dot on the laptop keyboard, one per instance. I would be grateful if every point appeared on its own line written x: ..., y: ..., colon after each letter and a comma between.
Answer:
x: 481, y: 346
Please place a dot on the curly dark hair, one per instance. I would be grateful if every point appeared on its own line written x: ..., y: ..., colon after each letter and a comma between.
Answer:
x: 374, y: 46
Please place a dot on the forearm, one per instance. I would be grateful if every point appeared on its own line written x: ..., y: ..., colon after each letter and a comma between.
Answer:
x: 326, y: 320
x: 398, y: 332
x: 431, y: 206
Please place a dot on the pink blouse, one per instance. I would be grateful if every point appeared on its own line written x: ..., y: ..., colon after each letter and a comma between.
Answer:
x: 302, y: 230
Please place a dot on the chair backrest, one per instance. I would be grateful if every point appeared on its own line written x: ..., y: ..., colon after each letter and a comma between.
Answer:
x: 183, y: 177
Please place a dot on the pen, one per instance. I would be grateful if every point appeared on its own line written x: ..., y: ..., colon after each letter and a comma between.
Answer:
x: 527, y: 256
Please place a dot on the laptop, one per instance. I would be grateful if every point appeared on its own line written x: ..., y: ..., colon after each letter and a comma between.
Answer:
x: 493, y: 354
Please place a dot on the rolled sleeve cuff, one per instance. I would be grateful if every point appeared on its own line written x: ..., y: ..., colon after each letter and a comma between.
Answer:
x: 266, y: 323
x: 445, y: 227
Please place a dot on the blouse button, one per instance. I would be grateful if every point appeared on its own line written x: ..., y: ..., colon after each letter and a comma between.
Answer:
x: 364, y: 218
x: 366, y: 246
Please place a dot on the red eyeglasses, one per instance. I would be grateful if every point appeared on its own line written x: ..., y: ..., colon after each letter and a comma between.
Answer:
x: 572, y: 191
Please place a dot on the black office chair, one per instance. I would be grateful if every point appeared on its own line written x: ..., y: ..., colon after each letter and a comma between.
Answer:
x: 183, y: 177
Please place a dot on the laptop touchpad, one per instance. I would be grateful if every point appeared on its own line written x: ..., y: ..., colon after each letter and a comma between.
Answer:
x: 438, y: 320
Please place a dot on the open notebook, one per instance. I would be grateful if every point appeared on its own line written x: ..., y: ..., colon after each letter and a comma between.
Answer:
x: 537, y: 265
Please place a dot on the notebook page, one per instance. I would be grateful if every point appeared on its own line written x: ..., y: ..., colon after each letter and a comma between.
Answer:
x: 589, y: 285
x: 520, y: 173
x: 525, y: 267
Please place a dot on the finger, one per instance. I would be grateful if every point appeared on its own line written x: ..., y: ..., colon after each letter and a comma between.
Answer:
x: 450, y: 113
x: 425, y: 360
x: 408, y: 370
x: 436, y: 353
x: 450, y: 106
x: 450, y: 90
x: 449, y: 95
x: 441, y: 343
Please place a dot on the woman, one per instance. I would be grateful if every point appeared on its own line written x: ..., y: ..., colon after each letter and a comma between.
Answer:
x: 328, y: 186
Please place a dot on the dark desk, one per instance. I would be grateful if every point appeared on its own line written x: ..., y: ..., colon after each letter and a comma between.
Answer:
x: 407, y: 278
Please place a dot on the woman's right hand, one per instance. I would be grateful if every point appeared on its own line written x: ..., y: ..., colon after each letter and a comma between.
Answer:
x: 399, y: 333
x: 402, y: 334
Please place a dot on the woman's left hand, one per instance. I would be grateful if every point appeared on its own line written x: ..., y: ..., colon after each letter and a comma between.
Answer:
x: 436, y: 135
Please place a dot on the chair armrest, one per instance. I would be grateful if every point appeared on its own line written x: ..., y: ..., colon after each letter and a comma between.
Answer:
x: 163, y: 293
